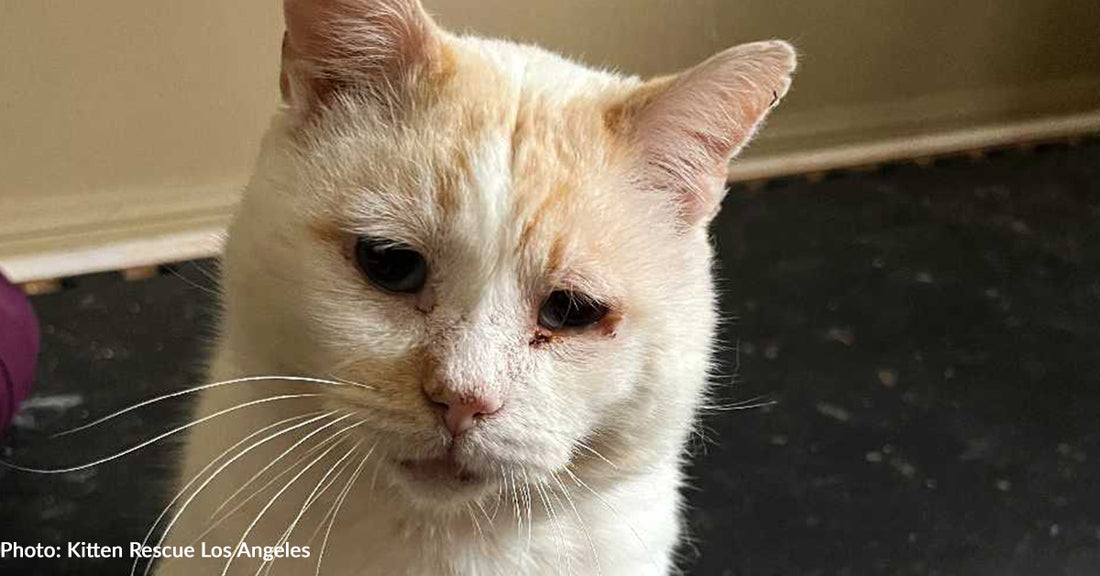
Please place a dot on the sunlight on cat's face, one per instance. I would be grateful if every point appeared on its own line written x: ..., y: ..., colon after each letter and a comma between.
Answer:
x: 508, y: 248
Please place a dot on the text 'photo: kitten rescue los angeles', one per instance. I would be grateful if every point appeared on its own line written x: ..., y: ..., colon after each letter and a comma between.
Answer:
x: 468, y: 307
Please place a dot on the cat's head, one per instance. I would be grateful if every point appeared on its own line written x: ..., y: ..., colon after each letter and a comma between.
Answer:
x: 511, y: 249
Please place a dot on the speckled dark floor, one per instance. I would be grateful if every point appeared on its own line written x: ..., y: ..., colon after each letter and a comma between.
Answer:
x: 931, y: 337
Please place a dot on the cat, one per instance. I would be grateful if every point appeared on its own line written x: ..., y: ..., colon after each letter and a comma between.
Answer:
x: 468, y: 307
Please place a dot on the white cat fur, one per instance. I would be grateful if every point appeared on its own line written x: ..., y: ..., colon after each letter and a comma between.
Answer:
x: 515, y: 172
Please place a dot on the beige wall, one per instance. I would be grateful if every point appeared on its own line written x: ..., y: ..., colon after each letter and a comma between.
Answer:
x: 869, y: 68
x: 127, y: 118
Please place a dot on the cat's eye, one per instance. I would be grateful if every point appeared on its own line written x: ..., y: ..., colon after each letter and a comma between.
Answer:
x: 394, y: 268
x: 565, y: 309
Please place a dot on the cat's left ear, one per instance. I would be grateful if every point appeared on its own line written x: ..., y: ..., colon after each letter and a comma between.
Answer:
x: 376, y: 46
x: 688, y: 127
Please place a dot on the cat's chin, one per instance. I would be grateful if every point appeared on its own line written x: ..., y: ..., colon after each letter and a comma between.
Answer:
x: 442, y: 481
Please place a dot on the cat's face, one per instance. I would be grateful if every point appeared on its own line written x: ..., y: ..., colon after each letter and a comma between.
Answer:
x: 510, y: 249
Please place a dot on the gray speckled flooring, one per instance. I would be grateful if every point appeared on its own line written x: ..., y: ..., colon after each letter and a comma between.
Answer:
x: 931, y: 337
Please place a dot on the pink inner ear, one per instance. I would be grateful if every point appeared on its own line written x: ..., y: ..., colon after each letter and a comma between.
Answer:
x: 693, y: 125
x: 331, y: 43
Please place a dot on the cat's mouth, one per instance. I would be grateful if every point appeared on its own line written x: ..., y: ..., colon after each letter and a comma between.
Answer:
x: 442, y: 470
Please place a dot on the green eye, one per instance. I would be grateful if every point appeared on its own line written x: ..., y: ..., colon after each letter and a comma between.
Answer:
x: 390, y: 267
x: 565, y: 309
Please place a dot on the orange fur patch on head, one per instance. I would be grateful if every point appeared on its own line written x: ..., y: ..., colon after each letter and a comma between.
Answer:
x: 559, y: 155
x: 328, y: 232
x: 451, y: 177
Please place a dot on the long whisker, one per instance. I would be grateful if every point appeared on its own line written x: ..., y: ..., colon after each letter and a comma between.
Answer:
x: 196, y: 477
x: 374, y: 478
x: 211, y: 275
x: 284, y: 454
x: 212, y: 291
x: 615, y: 512
x: 158, y: 438
x: 271, y: 503
x: 558, y: 504
x: 332, y: 508
x: 751, y: 404
x: 195, y: 389
x: 328, y: 485
x: 477, y: 524
x: 500, y: 495
x: 554, y: 520
x: 307, y: 504
x: 484, y: 512
x: 324, y: 490
x: 597, y: 454
x: 216, y: 473
x: 515, y: 502
x: 351, y: 382
x: 335, y: 436
x: 527, y: 503
x: 580, y: 520
x: 339, y: 505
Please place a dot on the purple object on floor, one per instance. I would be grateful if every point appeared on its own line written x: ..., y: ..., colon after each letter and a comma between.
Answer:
x: 18, y: 349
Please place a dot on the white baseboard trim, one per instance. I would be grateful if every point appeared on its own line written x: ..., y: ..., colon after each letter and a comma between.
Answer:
x: 922, y: 146
x: 174, y: 247
x: 203, y: 239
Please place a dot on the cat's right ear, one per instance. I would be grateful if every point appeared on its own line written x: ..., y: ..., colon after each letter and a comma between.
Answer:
x: 689, y: 126
x: 371, y: 46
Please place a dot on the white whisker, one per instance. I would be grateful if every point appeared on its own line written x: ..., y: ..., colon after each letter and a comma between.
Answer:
x: 750, y: 404
x: 158, y: 438
x: 500, y: 493
x: 610, y: 508
x: 580, y: 520
x: 351, y: 382
x: 339, y: 505
x: 515, y: 503
x: 597, y: 454
x: 374, y: 477
x: 307, y: 504
x: 271, y: 503
x: 557, y: 504
x: 216, y: 473
x: 527, y: 504
x: 477, y: 524
x: 336, y: 478
x: 332, y: 508
x: 196, y: 477
x: 335, y: 436
x: 212, y: 291
x: 284, y: 454
x: 200, y: 389
x: 554, y: 520
x: 484, y: 512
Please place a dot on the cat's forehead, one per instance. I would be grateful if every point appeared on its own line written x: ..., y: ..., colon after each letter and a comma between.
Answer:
x: 542, y: 162
x: 533, y: 118
x: 513, y: 149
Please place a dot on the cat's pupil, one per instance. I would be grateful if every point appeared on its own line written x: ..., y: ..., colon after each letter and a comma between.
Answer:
x: 565, y: 309
x: 391, y: 267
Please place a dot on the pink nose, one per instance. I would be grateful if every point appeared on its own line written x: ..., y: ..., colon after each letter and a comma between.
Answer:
x: 460, y: 413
